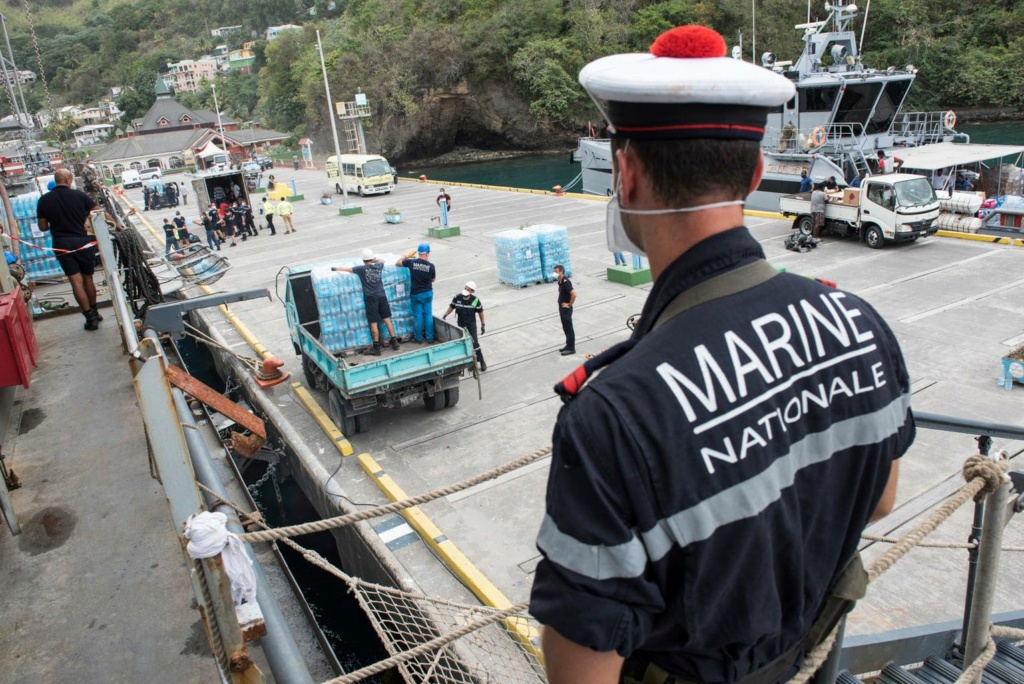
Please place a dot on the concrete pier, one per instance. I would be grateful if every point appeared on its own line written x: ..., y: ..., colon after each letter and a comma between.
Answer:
x: 955, y: 305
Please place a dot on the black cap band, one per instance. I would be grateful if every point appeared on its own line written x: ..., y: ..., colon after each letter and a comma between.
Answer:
x: 679, y: 121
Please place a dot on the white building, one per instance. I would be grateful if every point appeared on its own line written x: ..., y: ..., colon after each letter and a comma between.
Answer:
x: 92, y: 135
x: 221, y: 30
x: 274, y: 31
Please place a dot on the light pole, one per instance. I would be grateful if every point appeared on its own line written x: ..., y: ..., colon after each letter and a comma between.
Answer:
x: 334, y: 126
x: 213, y: 87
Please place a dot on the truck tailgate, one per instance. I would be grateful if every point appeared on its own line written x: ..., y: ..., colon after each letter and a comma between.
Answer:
x: 452, y: 353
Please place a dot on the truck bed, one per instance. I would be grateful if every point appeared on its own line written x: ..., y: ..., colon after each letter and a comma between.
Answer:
x: 800, y: 204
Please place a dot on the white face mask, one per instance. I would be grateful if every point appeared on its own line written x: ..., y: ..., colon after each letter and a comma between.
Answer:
x: 466, y: 293
x: 615, y: 232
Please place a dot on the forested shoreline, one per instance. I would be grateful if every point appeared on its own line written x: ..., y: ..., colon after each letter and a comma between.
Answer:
x: 493, y: 74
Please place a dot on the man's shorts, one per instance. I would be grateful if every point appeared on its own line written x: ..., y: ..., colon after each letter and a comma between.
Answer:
x: 377, y: 308
x: 819, y: 219
x: 229, y: 228
x: 82, y: 261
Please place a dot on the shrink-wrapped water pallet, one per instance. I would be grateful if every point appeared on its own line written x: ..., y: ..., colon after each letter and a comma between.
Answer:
x: 339, y: 298
x: 38, y: 262
x: 553, y: 243
x: 518, y: 256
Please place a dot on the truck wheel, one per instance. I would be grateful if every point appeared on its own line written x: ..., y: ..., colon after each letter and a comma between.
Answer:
x: 336, y: 407
x: 435, y: 402
x: 805, y: 224
x: 873, y: 237
x: 361, y: 193
x: 314, y: 376
x: 363, y: 422
x: 451, y: 397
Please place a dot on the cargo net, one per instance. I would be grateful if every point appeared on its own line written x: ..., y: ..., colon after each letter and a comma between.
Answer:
x: 433, y: 640
x: 429, y: 639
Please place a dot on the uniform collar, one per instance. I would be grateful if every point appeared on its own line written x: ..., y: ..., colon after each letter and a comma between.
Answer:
x: 709, y: 257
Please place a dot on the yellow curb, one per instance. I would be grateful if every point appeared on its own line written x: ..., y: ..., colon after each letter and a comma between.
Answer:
x: 322, y: 419
x: 488, y: 594
x: 991, y: 239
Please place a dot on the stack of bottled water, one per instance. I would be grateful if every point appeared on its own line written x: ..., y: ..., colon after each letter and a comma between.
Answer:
x: 339, y: 298
x: 554, y: 249
x: 38, y: 263
x: 518, y: 255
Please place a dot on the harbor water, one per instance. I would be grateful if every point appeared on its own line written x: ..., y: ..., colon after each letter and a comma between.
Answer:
x: 545, y: 172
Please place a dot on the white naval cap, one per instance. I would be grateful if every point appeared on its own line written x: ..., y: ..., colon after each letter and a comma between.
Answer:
x: 685, y: 88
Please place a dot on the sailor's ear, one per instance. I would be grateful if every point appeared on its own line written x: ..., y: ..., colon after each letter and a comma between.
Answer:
x: 758, y: 173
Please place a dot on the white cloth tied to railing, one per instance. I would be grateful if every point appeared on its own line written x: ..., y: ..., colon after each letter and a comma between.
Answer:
x: 208, y: 536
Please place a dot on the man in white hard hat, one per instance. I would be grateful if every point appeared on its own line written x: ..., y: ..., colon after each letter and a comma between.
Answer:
x: 709, y: 487
x: 371, y: 274
x: 467, y: 307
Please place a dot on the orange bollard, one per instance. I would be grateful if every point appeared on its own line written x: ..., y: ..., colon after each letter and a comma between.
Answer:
x: 270, y: 373
x: 423, y: 179
x: 558, y: 190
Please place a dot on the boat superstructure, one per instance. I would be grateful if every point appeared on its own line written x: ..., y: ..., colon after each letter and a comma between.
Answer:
x: 842, y: 114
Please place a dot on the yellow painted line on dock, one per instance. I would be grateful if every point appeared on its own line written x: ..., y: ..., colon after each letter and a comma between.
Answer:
x: 765, y: 214
x: 234, y: 320
x: 488, y: 594
x: 992, y: 239
x: 322, y: 419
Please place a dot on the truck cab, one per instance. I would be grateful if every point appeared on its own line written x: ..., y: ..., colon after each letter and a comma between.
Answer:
x: 895, y: 207
x: 205, y: 186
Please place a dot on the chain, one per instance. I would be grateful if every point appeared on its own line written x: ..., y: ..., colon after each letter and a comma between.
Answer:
x: 42, y: 77
x: 255, y: 486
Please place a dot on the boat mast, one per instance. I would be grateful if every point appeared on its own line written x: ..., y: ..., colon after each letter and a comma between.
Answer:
x: 863, y: 27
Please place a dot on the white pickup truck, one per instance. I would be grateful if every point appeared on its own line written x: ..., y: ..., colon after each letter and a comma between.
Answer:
x: 895, y: 207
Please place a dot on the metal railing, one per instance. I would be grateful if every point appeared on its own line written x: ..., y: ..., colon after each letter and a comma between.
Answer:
x: 182, y: 459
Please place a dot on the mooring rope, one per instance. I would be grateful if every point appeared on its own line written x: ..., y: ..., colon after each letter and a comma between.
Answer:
x: 343, y: 520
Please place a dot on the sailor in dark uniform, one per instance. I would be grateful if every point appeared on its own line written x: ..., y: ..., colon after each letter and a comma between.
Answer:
x: 708, y: 489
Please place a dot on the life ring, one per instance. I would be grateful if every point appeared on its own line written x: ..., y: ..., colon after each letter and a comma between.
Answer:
x: 949, y: 119
x: 818, y: 136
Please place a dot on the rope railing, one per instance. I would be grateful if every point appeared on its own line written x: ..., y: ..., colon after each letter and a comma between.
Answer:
x: 983, y: 476
x: 366, y: 514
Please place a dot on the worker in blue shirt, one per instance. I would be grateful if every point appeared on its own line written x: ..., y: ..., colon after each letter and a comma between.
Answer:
x: 805, y: 182
x: 708, y: 488
x: 855, y: 183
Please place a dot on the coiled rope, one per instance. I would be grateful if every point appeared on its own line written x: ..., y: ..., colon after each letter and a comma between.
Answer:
x: 141, y: 286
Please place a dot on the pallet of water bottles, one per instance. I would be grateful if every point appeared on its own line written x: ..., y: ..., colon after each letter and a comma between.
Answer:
x: 344, y: 329
x: 553, y: 247
x: 35, y: 246
x: 528, y: 255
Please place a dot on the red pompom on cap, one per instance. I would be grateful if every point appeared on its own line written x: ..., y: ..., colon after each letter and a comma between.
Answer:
x: 689, y: 42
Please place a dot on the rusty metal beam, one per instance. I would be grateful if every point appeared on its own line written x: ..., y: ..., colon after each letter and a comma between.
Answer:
x: 215, y: 400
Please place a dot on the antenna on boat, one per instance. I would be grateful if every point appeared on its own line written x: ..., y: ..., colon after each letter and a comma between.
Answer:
x: 808, y: 11
x: 863, y: 27
x: 753, y: 31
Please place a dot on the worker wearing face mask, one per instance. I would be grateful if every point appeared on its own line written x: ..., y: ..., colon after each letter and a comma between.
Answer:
x: 467, y: 307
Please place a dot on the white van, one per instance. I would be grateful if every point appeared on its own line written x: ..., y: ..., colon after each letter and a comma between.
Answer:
x: 130, y: 178
x: 150, y: 173
x: 367, y: 174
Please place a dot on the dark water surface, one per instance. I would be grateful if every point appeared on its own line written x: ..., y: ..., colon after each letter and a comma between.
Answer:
x: 545, y: 172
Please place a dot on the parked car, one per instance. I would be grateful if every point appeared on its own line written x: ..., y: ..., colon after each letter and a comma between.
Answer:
x: 264, y: 161
x: 151, y: 173
x: 130, y: 179
x: 252, y: 168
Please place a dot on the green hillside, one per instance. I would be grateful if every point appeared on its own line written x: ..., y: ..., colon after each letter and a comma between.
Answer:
x: 513, y: 59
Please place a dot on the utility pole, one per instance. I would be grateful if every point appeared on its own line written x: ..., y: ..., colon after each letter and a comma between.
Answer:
x: 334, y: 125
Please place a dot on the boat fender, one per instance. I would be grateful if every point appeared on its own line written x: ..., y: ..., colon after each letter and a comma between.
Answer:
x: 949, y: 119
x: 818, y: 136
